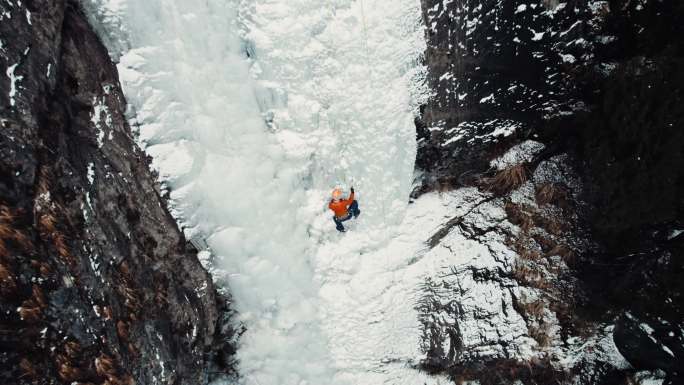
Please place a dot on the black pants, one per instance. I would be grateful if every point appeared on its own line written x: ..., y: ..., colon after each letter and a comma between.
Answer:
x: 352, y: 211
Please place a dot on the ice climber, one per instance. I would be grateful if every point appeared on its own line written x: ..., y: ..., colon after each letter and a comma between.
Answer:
x: 344, y: 209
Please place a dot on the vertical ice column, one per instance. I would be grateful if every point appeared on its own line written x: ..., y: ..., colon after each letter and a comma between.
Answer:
x: 187, y: 77
x: 249, y: 162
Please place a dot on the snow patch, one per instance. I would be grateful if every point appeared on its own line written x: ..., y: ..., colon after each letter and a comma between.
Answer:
x: 520, y: 153
x: 100, y: 108
x: 487, y: 99
x: 536, y: 35
x: 91, y: 173
x: 568, y: 58
x: 650, y: 378
x: 14, y: 79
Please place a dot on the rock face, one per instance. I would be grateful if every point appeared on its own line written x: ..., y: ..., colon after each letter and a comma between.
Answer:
x: 599, y: 86
x: 500, y: 69
x: 508, y: 308
x: 505, y: 71
x: 98, y: 285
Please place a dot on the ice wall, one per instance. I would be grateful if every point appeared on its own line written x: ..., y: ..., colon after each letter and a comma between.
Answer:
x: 253, y: 111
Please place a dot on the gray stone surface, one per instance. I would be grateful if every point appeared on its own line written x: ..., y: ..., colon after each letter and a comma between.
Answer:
x: 98, y: 284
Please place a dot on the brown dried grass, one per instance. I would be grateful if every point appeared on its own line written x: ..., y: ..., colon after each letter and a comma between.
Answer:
x: 132, y: 349
x: 62, y: 248
x: 44, y: 269
x: 105, y: 367
x: 47, y: 218
x: 553, y: 193
x: 506, y: 180
x: 6, y: 214
x: 122, y: 330
x: 27, y: 368
x: 68, y: 373
x: 528, y: 275
x: 9, y: 234
x: 540, y: 334
x: 131, y: 299
x: 525, y: 250
x: 126, y: 289
x: 553, y: 225
x: 72, y: 349
x: 534, y: 309
x: 446, y: 184
x: 8, y: 285
x: 30, y: 314
x: 530, y: 255
x: 518, y: 216
x: 23, y: 241
x: 125, y: 270
x: 47, y: 224
x: 43, y: 184
x: 545, y: 194
x: 107, y: 311
x: 527, y: 217
x: 20, y: 239
x: 161, y: 297
x: 565, y: 252
x: 544, y: 243
x: 6, y: 232
x: 126, y: 380
x: 536, y: 370
x: 38, y: 297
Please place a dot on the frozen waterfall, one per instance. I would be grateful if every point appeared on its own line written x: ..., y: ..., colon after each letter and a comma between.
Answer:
x: 252, y: 112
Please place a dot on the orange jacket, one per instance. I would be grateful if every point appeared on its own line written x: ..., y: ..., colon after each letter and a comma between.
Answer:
x: 340, y: 207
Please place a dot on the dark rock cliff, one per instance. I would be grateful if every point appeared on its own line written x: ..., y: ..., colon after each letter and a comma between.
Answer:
x: 98, y: 285
x: 600, y: 83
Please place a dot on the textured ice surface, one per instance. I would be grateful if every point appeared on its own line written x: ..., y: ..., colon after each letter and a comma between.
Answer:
x: 253, y: 111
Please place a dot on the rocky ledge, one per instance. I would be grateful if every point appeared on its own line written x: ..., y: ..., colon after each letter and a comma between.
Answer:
x: 565, y: 118
x: 98, y: 284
